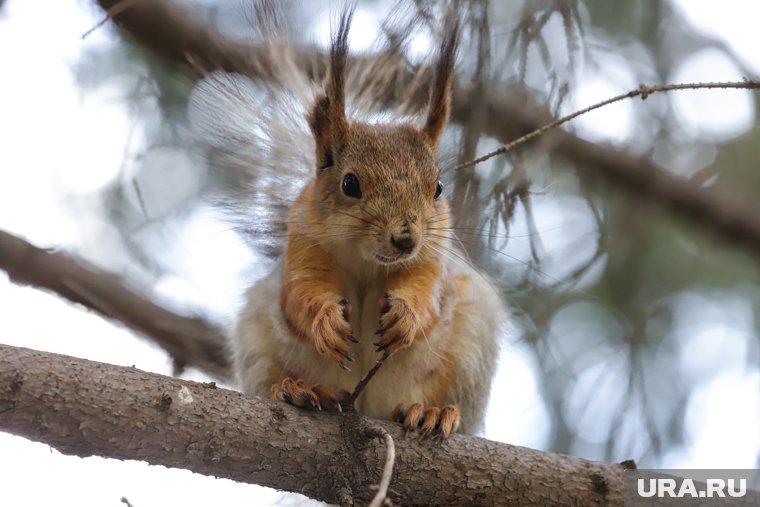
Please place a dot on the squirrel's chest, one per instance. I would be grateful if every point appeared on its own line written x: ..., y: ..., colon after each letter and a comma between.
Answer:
x: 364, y: 296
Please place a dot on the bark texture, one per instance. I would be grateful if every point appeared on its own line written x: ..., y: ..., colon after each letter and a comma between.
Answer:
x: 86, y: 408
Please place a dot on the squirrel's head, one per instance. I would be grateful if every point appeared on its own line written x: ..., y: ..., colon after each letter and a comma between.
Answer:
x: 378, y: 185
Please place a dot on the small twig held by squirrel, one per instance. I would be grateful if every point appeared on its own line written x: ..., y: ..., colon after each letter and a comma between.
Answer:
x: 366, y: 378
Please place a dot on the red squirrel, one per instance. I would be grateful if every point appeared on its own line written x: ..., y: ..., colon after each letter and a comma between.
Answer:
x: 371, y: 267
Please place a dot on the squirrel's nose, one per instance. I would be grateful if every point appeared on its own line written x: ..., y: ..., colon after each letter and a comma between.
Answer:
x: 403, y: 243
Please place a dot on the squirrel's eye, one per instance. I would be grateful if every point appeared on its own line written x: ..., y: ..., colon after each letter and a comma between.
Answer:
x: 351, y: 186
x: 438, y: 190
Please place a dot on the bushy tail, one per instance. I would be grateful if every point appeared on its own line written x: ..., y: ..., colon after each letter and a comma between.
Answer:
x: 257, y: 134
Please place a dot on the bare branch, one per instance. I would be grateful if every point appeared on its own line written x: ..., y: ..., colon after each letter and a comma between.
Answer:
x: 366, y: 378
x: 390, y: 458
x: 155, y: 25
x: 642, y: 91
x: 86, y: 408
x: 728, y: 218
x: 190, y: 341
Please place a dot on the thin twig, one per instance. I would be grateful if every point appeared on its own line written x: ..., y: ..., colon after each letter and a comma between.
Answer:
x: 366, y: 378
x: 390, y: 459
x: 115, y: 10
x: 643, y: 91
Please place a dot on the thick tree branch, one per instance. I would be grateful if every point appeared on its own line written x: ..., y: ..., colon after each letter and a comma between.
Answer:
x: 153, y: 25
x: 173, y: 33
x: 86, y: 408
x: 190, y: 341
x: 734, y: 221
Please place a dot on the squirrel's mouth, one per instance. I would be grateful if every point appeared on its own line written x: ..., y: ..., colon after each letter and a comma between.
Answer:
x: 384, y: 259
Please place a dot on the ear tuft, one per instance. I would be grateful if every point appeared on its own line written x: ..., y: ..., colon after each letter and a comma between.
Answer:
x: 328, y: 118
x: 440, y: 93
x: 319, y: 121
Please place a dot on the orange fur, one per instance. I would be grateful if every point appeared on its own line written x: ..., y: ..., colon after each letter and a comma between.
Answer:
x: 411, y: 315
x: 311, y: 297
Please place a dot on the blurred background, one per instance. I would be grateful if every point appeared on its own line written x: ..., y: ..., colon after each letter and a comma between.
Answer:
x: 634, y: 330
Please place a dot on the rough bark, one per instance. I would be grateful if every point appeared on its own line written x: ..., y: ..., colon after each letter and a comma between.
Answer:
x: 86, y: 408
x: 190, y: 341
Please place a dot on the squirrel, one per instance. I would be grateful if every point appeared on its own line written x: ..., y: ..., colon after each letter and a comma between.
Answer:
x: 371, y: 267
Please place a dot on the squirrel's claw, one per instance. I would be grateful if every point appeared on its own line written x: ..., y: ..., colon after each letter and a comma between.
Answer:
x: 299, y: 394
x: 398, y: 326
x: 295, y: 392
x: 332, y: 332
x: 448, y: 420
x: 434, y: 422
x: 429, y: 422
x: 329, y: 400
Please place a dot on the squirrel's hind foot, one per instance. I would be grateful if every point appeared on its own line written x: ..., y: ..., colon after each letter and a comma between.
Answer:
x: 434, y: 422
x: 297, y: 393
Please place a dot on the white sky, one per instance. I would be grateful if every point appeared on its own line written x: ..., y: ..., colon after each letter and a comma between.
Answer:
x: 58, y: 142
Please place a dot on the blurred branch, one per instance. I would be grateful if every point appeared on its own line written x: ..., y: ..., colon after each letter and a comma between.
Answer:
x: 642, y: 91
x: 189, y: 341
x: 170, y: 31
x: 85, y: 408
x: 174, y: 34
x: 728, y: 218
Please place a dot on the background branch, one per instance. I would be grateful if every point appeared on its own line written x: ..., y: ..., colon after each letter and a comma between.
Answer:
x: 171, y: 32
x: 189, y: 341
x: 87, y: 408
x: 642, y: 91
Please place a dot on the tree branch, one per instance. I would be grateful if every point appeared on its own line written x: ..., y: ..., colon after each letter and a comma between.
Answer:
x: 170, y: 31
x: 642, y: 91
x: 86, y: 408
x: 730, y: 219
x: 190, y: 341
x: 192, y: 42
x: 390, y: 459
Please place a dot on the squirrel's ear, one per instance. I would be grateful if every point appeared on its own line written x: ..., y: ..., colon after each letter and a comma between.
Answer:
x: 440, y: 94
x: 328, y: 117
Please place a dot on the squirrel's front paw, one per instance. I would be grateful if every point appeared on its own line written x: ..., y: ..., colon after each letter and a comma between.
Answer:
x: 299, y: 394
x: 332, y: 332
x: 399, y: 324
x: 432, y: 422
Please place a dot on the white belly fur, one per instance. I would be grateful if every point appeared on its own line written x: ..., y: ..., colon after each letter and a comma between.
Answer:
x: 467, y: 333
